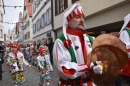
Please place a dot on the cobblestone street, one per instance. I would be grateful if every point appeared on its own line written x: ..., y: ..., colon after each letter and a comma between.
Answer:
x: 31, y: 77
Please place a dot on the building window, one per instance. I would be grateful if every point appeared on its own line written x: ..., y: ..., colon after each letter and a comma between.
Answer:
x: 35, y: 28
x: 33, y: 7
x: 60, y: 6
x: 45, y: 19
x: 38, y: 24
x: 1, y: 17
x: 28, y: 34
x: 50, y: 15
x: 73, y: 1
x: 47, y: 16
x: 61, y: 3
x: 41, y: 23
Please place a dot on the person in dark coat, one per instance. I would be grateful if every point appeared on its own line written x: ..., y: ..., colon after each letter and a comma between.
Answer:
x: 1, y: 60
x: 50, y: 46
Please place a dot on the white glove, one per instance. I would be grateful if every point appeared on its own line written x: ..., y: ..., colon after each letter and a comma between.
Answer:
x: 98, y: 68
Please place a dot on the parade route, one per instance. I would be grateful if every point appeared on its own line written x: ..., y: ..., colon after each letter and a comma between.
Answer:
x: 31, y: 77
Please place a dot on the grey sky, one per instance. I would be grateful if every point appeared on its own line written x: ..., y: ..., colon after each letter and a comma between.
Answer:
x: 11, y: 13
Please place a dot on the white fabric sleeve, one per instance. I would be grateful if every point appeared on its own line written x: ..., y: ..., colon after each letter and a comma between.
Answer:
x: 62, y: 58
x: 125, y: 38
x: 38, y: 62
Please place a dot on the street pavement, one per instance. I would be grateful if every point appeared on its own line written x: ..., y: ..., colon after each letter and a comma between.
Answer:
x: 31, y: 76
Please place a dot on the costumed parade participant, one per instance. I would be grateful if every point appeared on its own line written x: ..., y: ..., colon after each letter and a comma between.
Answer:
x: 28, y: 52
x: 45, y: 66
x: 71, y: 50
x: 124, y: 36
x: 34, y: 52
x: 16, y: 61
x: 44, y: 45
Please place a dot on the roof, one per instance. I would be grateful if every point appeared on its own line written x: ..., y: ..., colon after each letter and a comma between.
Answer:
x: 29, y: 7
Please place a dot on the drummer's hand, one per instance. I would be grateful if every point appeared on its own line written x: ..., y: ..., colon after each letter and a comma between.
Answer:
x: 97, y: 69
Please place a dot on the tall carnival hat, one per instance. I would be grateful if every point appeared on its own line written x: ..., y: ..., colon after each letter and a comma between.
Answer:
x: 75, y: 10
x: 126, y: 21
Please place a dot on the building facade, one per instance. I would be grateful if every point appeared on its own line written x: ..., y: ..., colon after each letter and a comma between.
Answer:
x: 2, y: 12
x: 42, y: 21
x: 27, y: 24
x: 101, y: 16
x: 20, y: 31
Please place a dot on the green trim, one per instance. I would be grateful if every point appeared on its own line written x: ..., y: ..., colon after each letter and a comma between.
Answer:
x: 71, y: 50
x: 90, y: 38
x: 128, y: 30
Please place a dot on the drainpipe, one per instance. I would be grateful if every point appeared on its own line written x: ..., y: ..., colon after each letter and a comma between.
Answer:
x: 52, y: 23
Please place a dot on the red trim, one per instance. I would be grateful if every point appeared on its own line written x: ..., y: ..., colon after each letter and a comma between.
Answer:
x: 74, y: 83
x: 81, y: 81
x: 89, y: 83
x: 126, y: 70
x: 68, y: 72
x: 61, y: 84
x: 128, y: 26
x: 82, y: 70
x: 81, y: 64
x: 128, y: 50
x: 79, y: 33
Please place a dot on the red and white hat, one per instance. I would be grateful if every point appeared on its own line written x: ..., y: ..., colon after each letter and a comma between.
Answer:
x: 126, y: 21
x: 15, y: 45
x: 75, y: 10
x: 42, y: 49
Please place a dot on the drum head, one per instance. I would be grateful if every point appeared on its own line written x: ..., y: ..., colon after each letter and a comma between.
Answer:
x: 110, y: 64
x: 108, y: 39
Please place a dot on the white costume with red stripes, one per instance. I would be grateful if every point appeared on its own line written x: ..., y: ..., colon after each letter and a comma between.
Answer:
x: 71, y: 50
x: 64, y: 67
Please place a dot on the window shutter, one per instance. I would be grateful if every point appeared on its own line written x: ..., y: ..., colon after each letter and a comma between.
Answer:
x: 42, y: 20
x: 41, y: 23
x: 50, y: 17
x: 56, y: 8
x: 45, y: 17
x: 38, y: 24
x: 33, y: 28
x: 65, y: 4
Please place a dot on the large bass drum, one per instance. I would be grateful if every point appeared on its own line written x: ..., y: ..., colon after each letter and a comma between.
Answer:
x: 113, y: 56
